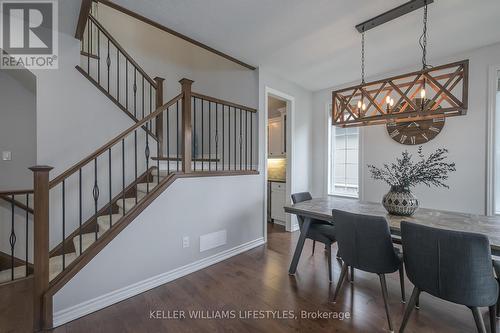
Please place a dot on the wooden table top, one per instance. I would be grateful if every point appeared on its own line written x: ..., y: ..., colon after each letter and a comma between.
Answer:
x: 321, y: 208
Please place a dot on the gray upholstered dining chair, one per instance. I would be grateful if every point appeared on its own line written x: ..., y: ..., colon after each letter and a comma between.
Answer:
x: 319, y: 230
x: 365, y: 243
x: 451, y: 265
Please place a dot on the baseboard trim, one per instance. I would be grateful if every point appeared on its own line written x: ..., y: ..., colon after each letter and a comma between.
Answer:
x: 77, y: 311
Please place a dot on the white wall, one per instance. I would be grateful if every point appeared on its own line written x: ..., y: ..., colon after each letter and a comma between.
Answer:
x: 464, y: 136
x: 151, y: 246
x: 17, y: 128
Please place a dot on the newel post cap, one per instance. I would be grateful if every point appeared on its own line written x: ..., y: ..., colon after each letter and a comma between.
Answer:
x: 186, y: 81
x: 38, y: 168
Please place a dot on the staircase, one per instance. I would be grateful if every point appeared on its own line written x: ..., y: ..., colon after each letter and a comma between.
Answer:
x: 86, y: 206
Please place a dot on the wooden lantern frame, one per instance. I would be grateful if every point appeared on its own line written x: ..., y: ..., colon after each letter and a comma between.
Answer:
x: 446, y: 96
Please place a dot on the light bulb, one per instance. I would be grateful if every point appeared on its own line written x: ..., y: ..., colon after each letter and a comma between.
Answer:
x: 422, y: 93
x: 359, y: 104
x: 388, y: 99
x: 391, y: 102
x: 363, y: 107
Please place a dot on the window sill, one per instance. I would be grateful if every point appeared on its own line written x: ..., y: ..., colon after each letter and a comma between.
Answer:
x: 344, y: 196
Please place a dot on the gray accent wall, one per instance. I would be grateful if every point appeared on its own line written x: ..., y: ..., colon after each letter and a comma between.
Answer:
x: 17, y: 128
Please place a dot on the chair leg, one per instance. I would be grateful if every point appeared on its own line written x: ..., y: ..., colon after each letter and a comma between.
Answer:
x: 417, y: 303
x: 493, y: 321
x: 402, y: 283
x: 478, y: 319
x: 314, y: 246
x: 385, y: 295
x: 329, y: 255
x: 341, y: 280
x: 352, y: 274
x: 409, y: 308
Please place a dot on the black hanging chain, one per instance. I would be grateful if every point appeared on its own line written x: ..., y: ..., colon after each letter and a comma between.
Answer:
x: 363, y: 57
x: 423, y: 41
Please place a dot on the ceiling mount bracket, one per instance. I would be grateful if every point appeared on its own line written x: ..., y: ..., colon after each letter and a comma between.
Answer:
x: 392, y: 14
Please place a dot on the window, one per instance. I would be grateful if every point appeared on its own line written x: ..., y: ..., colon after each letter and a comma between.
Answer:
x: 343, y: 164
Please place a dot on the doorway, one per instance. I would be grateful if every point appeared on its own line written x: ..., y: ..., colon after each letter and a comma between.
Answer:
x: 279, y: 109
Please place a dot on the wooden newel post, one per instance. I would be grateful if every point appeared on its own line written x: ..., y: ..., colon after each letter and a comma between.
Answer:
x: 159, y: 119
x: 186, y: 125
x: 42, y: 312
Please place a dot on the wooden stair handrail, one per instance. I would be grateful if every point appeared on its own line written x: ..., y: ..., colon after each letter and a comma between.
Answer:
x: 111, y: 143
x: 82, y: 19
x: 122, y: 50
x: 15, y: 192
x: 221, y: 101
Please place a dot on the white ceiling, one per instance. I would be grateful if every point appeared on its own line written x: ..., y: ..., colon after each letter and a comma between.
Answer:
x: 314, y: 43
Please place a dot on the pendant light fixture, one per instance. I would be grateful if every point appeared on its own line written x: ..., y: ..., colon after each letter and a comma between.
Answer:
x: 432, y: 92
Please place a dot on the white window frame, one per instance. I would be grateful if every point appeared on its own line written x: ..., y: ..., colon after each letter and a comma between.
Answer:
x: 330, y: 151
x: 493, y: 76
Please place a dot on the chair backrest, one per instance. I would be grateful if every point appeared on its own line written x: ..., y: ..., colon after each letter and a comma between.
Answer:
x: 302, y: 196
x: 299, y: 197
x: 452, y: 265
x: 365, y: 242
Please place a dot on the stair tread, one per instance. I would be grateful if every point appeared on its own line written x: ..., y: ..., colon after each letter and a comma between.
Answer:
x: 103, y: 221
x: 87, y: 240
x: 6, y: 275
x: 130, y: 202
x: 55, y: 264
x: 143, y: 187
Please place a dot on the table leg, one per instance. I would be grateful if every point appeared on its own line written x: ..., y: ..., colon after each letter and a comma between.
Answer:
x: 300, y: 245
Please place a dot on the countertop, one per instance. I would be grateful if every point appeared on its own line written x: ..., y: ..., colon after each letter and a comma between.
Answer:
x: 276, y: 180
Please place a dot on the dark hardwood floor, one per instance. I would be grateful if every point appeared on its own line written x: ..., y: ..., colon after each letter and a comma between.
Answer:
x: 258, y: 280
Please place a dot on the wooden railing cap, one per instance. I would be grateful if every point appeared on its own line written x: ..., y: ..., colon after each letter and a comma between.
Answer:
x: 157, y: 78
x: 41, y: 168
x: 186, y: 81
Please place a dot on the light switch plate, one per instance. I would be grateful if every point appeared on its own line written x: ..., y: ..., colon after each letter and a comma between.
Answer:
x: 6, y: 156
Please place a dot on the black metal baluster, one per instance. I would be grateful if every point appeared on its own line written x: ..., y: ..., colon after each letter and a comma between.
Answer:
x: 80, y: 207
x: 135, y: 160
x: 89, y: 41
x: 194, y: 134
x: 126, y: 83
x: 12, y: 238
x: 99, y: 56
x: 108, y: 64
x: 146, y: 154
x: 229, y: 137
x: 177, y: 141
x: 241, y: 142
x: 135, y: 92
x: 110, y: 211
x: 234, y: 138
x: 157, y: 162
x: 216, y: 136
x: 95, y: 192
x: 168, y: 141
x: 223, y: 138
x: 142, y: 97
x: 246, y: 137
x: 63, y: 224
x: 151, y: 110
x: 202, y: 136
x: 251, y: 141
x: 27, y: 234
x: 209, y: 136
x: 118, y: 75
x: 123, y: 174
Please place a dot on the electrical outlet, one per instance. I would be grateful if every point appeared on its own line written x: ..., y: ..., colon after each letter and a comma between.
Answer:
x: 6, y: 156
x: 185, y: 242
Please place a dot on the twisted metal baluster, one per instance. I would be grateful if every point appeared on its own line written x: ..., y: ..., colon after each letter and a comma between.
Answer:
x: 95, y: 192
x: 12, y: 238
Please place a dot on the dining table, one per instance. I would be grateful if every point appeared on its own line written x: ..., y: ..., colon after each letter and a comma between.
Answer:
x: 321, y: 209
